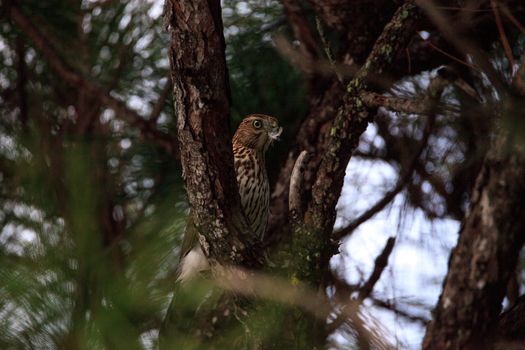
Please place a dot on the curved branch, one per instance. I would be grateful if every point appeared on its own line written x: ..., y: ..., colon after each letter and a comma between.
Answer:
x: 296, y: 187
x: 353, y: 117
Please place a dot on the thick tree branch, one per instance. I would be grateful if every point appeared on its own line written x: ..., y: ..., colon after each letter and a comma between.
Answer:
x: 358, y: 24
x: 202, y: 105
x: 488, y: 248
x: 426, y: 105
x: 201, y: 98
x: 397, y: 104
x: 352, y: 119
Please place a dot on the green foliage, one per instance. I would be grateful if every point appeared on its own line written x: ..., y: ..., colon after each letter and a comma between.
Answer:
x: 91, y: 212
x: 91, y: 217
x: 262, y: 81
x: 90, y: 220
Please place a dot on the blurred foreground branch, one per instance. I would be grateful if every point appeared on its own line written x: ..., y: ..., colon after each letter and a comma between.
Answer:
x: 76, y: 80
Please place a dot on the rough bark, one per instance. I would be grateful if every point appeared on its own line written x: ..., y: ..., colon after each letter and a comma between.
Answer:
x: 314, y: 132
x: 331, y: 132
x: 490, y: 240
x: 353, y: 117
x: 311, y: 137
x: 510, y: 330
x: 357, y: 25
x: 201, y: 98
x: 311, y: 245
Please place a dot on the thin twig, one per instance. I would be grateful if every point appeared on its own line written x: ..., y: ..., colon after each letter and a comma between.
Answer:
x: 390, y: 195
x: 409, y: 61
x: 503, y: 36
x: 159, y: 105
x: 449, y: 31
x: 511, y: 17
x: 452, y: 8
x: 452, y: 57
x: 389, y: 306
x: 379, y: 266
x: 326, y: 47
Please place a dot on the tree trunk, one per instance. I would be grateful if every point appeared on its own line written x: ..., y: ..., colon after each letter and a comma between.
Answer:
x: 201, y: 98
x: 490, y: 240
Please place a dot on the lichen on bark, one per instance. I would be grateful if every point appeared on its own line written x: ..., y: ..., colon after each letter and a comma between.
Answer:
x: 353, y: 117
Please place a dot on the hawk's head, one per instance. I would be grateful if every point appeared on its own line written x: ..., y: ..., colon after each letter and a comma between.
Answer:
x: 257, y: 131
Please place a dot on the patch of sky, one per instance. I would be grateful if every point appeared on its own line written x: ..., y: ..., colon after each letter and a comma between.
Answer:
x: 419, y: 260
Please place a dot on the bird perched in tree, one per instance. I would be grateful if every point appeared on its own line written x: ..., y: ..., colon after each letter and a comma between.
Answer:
x: 250, y: 143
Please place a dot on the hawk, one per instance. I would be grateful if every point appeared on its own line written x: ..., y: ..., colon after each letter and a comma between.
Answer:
x: 254, y: 135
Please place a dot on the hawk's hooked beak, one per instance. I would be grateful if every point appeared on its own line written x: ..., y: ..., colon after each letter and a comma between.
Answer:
x: 275, y: 132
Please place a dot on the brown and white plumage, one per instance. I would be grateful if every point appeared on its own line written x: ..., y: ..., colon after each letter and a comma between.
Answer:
x: 250, y: 143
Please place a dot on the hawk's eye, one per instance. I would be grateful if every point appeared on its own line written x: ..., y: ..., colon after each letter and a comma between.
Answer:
x: 257, y: 124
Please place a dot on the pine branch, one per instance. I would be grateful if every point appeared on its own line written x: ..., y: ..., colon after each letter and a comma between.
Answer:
x: 76, y: 80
